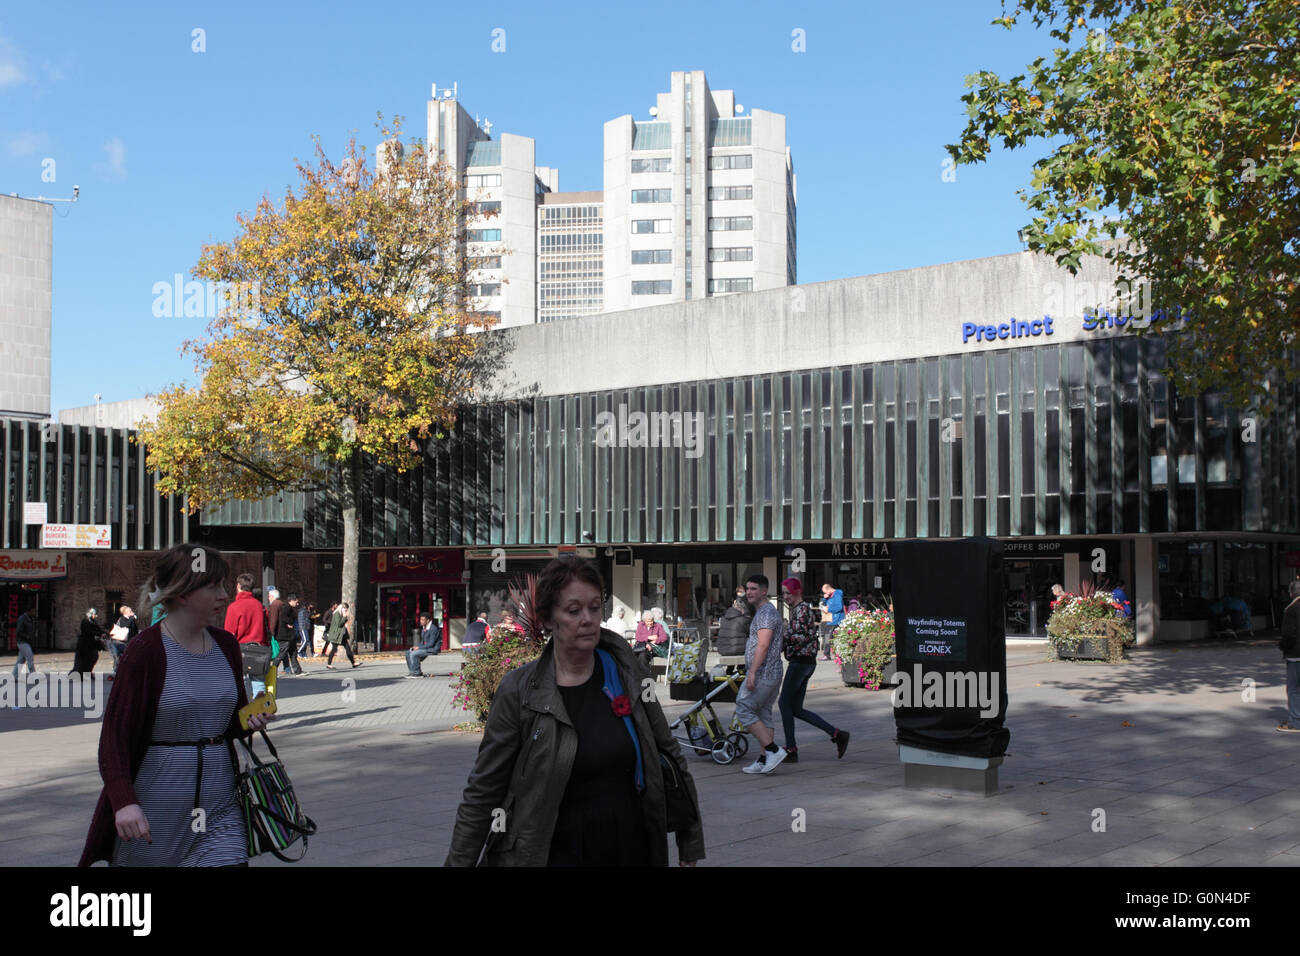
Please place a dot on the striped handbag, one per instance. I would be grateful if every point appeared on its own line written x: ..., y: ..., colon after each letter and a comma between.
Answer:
x: 273, y: 818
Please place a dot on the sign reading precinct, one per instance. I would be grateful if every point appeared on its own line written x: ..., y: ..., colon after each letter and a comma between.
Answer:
x: 1007, y: 330
x: 1092, y: 322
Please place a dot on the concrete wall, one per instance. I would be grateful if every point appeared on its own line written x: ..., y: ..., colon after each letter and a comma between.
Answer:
x: 885, y: 317
x: 618, y: 224
x: 518, y: 224
x: 26, y: 293
x: 125, y: 414
x: 770, y: 213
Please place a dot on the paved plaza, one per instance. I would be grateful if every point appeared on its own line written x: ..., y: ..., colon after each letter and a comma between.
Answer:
x: 1187, y: 770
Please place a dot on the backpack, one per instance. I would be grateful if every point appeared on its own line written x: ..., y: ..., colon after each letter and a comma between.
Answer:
x: 733, y: 632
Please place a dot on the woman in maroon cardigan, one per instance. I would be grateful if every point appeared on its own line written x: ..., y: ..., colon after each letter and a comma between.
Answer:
x: 166, y: 746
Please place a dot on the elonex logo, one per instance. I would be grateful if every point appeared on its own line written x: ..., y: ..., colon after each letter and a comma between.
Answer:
x: 102, y: 909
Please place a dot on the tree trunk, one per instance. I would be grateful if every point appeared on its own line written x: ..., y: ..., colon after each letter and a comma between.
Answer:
x: 351, y: 494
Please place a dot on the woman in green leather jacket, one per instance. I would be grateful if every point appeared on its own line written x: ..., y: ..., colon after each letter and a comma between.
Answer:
x: 568, y: 773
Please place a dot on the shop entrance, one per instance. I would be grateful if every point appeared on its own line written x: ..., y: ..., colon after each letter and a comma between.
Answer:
x: 400, y: 607
x: 1029, y: 594
x: 16, y: 597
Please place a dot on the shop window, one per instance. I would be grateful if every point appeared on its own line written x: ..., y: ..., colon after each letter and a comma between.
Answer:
x: 1187, y: 576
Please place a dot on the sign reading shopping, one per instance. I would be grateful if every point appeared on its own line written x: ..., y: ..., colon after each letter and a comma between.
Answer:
x: 76, y: 536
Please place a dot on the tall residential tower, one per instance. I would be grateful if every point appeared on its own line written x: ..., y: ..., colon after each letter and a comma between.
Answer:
x: 699, y: 200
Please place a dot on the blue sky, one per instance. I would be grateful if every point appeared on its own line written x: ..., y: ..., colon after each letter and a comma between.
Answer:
x: 168, y: 145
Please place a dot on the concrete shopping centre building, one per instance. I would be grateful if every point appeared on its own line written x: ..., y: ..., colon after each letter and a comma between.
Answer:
x: 687, y: 445
x: 835, y: 418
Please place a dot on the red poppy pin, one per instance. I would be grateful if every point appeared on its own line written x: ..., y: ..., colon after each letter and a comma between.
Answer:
x: 622, y: 706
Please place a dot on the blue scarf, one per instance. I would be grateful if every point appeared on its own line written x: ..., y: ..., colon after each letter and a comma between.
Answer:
x: 614, y: 688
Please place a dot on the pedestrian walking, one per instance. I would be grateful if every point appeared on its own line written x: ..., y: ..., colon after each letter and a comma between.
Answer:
x: 90, y: 640
x: 166, y: 750
x: 569, y: 770
x: 303, y: 630
x: 281, y: 616
x: 246, y: 620
x: 832, y: 608
x: 1290, y: 647
x: 124, y: 628
x: 430, y: 646
x: 800, y: 648
x: 762, y: 676
x: 26, y: 641
x: 337, y: 633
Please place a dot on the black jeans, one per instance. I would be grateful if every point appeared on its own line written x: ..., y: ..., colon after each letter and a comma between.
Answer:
x: 347, y: 647
x: 288, y: 656
x: 791, y: 699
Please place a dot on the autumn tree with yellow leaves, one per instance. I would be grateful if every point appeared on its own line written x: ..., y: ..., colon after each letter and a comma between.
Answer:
x: 352, y: 337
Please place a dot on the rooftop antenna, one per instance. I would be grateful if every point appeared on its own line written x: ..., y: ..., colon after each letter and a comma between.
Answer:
x: 76, y: 192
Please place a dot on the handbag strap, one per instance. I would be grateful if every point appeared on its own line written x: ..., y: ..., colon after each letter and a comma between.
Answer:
x: 252, y: 753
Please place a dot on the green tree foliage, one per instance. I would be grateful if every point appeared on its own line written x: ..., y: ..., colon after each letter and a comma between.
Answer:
x: 1174, y: 130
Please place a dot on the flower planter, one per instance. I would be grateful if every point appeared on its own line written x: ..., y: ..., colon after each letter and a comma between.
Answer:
x: 889, y: 674
x: 849, y: 674
x: 1087, y: 649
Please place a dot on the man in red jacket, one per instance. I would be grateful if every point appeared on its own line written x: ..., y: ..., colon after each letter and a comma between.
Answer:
x: 246, y: 620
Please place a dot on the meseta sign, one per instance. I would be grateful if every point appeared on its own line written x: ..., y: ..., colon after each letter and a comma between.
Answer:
x: 31, y: 566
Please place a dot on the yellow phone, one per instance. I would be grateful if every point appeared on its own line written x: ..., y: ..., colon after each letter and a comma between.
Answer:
x: 263, y: 703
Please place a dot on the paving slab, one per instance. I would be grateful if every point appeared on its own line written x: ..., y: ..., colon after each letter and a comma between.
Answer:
x: 1198, y: 778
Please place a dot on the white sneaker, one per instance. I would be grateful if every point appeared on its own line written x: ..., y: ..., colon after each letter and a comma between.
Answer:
x: 756, y: 766
x: 773, y: 759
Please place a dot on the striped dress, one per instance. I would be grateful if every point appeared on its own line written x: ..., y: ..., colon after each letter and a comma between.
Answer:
x: 197, y: 700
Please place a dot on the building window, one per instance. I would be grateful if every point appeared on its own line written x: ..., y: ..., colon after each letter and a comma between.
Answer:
x: 487, y: 288
x: 651, y: 257
x: 731, y: 285
x: 743, y: 161
x: 482, y: 208
x: 653, y: 287
x: 663, y: 165
x: 652, y: 195
x: 731, y: 254
x: 482, y: 180
x: 718, y: 193
x: 649, y: 225
x: 731, y: 223
x: 483, y: 235
x: 484, y: 262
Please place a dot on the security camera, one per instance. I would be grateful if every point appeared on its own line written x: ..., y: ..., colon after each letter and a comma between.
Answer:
x: 76, y: 191
x: 609, y: 552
